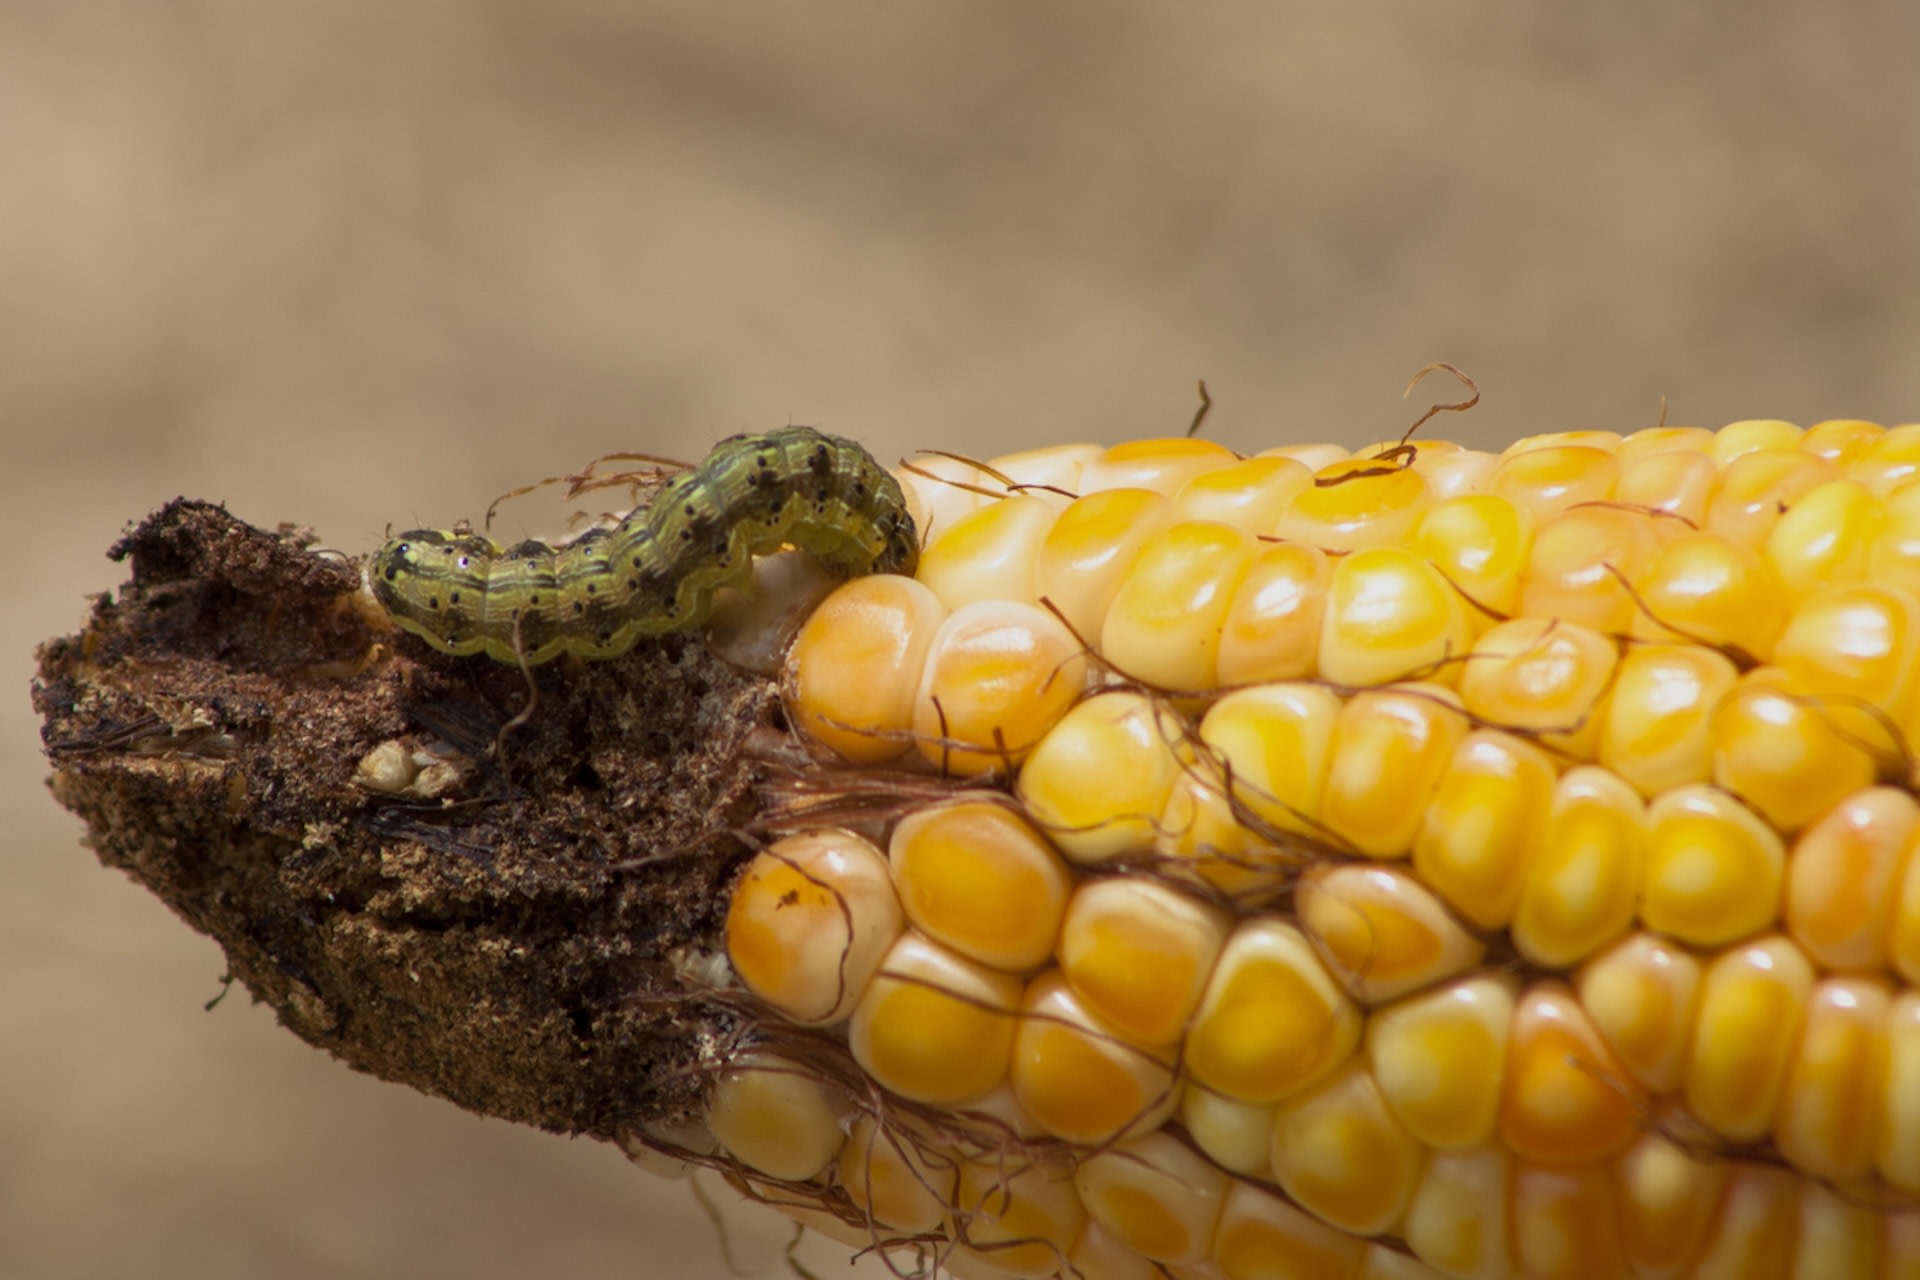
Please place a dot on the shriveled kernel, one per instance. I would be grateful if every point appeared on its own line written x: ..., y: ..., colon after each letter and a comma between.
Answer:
x: 999, y: 675
x: 1825, y: 537
x: 1356, y: 504
x: 1898, y: 1153
x: 1704, y: 589
x: 1752, y: 1234
x: 1160, y: 465
x: 1483, y: 825
x: 1566, y: 1098
x: 1439, y: 1059
x: 1758, y: 488
x: 1642, y: 995
x: 1582, y: 561
x: 1546, y: 480
x: 1261, y: 1237
x: 1737, y: 439
x: 976, y: 877
x: 934, y: 1026
x: 1276, y: 741
x: 1753, y: 1000
x: 1665, y: 1196
x: 1272, y: 1020
x: 895, y: 1177
x: 1480, y: 542
x: 1079, y: 1080
x: 1338, y: 1151
x: 1390, y: 616
x: 1677, y: 483
x: 1250, y: 494
x: 1272, y: 628
x: 1164, y: 623
x: 1563, y: 1221
x: 1381, y: 931
x: 775, y: 1118
x: 1830, y: 1115
x: 1583, y: 881
x: 855, y: 667
x: 1658, y: 728
x: 1782, y: 750
x: 1097, y: 783
x: 1235, y: 1135
x: 1139, y: 953
x: 1156, y: 1195
x: 1888, y: 461
x: 1842, y: 873
x: 1457, y: 1220
x: 1391, y: 747
x: 1713, y: 869
x: 1091, y: 547
x: 1018, y: 1217
x: 1840, y: 440
x: 988, y: 554
x: 810, y: 922
x: 1542, y: 676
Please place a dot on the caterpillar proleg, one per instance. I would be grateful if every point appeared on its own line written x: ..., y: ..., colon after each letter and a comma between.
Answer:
x: 657, y: 569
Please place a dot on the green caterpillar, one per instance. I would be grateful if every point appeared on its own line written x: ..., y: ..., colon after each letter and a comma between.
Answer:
x: 656, y: 571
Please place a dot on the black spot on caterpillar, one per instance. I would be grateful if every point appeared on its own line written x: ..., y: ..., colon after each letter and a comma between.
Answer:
x: 655, y: 571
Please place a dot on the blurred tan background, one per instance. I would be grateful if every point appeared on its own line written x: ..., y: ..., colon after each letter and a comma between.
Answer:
x: 348, y: 262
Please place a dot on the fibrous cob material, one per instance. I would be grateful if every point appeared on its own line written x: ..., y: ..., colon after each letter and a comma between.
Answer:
x: 1392, y: 863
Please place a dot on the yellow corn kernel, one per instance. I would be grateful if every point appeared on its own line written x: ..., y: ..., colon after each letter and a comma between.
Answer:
x: 1235, y: 1135
x: 810, y: 922
x: 1829, y: 1121
x: 934, y: 1026
x: 1163, y: 626
x: 976, y: 877
x: 1650, y: 440
x: 1565, y: 1098
x: 1451, y: 473
x: 1903, y: 927
x: 1836, y: 1236
x: 1841, y: 875
x: 1356, y: 504
x: 1824, y: 538
x: 998, y: 676
x: 1389, y: 616
x: 1545, y: 480
x: 1752, y: 1234
x: 1381, y: 932
x: 1713, y: 869
x: 895, y: 1178
x: 1705, y: 589
x: 1384, y: 1262
x: 855, y: 666
x: 1582, y: 560
x: 1097, y: 1253
x: 1457, y: 1219
x: 1753, y: 1000
x: 1262, y: 1237
x: 1250, y: 494
x: 1079, y: 1080
x: 1089, y: 550
x: 1484, y: 824
x: 1666, y: 1196
x: 1160, y: 465
x: 1050, y: 473
x: 1673, y: 482
x: 1899, y: 1246
x: 1272, y: 628
x: 1603, y: 441
x: 1099, y: 780
x: 1338, y: 1151
x: 1019, y: 1219
x: 1756, y: 489
x: 1201, y: 827
x: 1563, y: 1221
x: 1784, y: 752
x: 1479, y: 542
x: 1894, y: 558
x: 940, y: 490
x: 1139, y: 953
x: 1898, y: 1156
x: 1156, y: 1195
x: 1272, y: 1020
x: 1275, y: 741
x: 1583, y: 881
x: 1439, y: 1058
x: 1888, y: 461
x: 1840, y: 440
x: 1737, y: 439
x: 1642, y: 995
x: 776, y: 1119
x: 988, y: 554
x: 1657, y: 732
x: 1391, y: 747
x: 1543, y: 676
x: 1314, y: 457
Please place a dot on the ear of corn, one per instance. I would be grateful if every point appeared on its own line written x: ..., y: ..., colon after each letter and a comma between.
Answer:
x: 1374, y: 866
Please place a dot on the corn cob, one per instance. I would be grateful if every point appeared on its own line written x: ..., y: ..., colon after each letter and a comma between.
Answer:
x: 1397, y: 864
